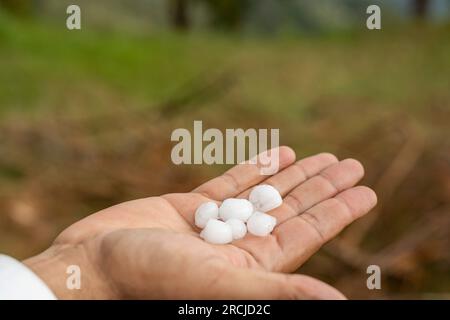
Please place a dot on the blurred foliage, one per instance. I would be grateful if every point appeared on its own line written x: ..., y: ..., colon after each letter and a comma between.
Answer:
x: 18, y: 7
x: 227, y: 13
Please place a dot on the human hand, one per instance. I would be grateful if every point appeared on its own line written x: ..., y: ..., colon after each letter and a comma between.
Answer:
x: 150, y: 248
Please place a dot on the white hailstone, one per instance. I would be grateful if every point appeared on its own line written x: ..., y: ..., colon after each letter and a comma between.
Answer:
x: 238, y: 228
x: 240, y: 209
x: 206, y: 211
x: 217, y: 232
x: 265, y: 198
x: 261, y: 224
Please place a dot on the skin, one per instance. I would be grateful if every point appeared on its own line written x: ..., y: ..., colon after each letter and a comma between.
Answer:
x: 150, y: 248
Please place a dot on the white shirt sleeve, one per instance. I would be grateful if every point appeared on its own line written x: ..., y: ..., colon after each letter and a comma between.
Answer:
x: 18, y: 282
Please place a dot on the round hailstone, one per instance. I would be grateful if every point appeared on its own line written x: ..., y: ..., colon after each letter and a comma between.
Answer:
x: 217, y: 232
x: 261, y: 224
x: 206, y: 211
x: 240, y: 209
x: 265, y: 198
x: 238, y: 228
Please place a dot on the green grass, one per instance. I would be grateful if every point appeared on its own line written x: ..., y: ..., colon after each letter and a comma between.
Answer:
x: 37, y: 60
x: 403, y: 68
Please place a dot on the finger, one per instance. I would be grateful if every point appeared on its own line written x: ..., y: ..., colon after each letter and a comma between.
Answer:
x: 325, y: 185
x: 245, y: 175
x: 257, y: 284
x: 301, y: 236
x: 329, y: 182
x: 297, y: 173
x: 241, y: 283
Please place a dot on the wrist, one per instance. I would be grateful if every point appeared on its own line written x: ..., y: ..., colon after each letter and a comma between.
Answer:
x: 62, y: 266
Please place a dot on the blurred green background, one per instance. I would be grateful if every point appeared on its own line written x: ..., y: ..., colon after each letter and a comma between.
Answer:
x: 86, y: 115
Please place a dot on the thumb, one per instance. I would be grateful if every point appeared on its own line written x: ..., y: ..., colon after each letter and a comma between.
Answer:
x: 239, y: 283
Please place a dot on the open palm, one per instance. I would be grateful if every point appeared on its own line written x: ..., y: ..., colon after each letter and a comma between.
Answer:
x: 150, y: 248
